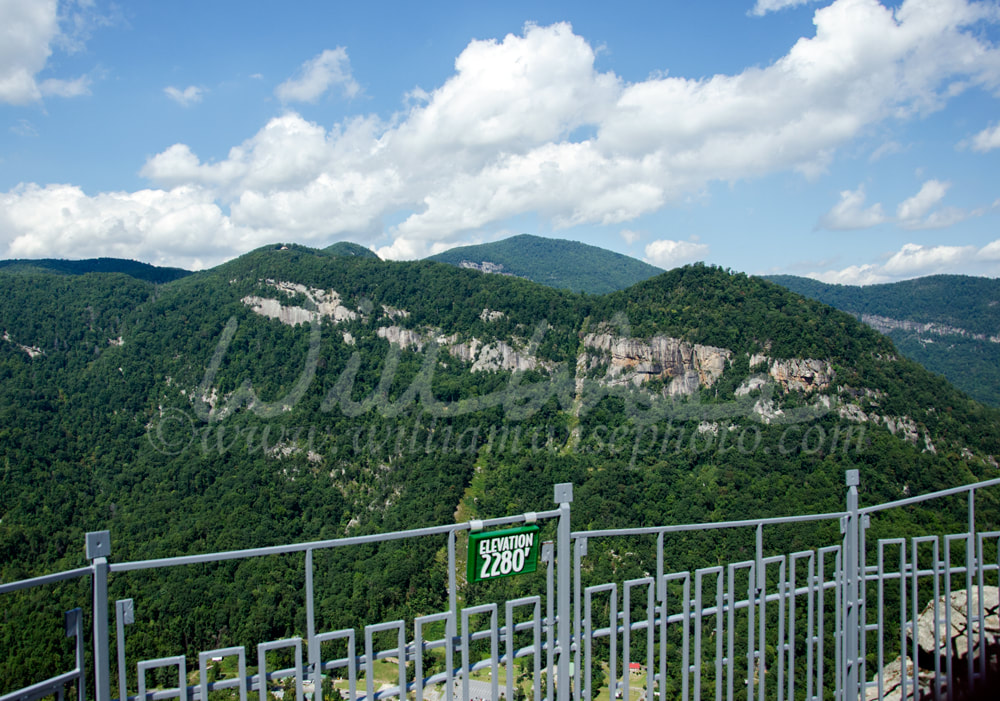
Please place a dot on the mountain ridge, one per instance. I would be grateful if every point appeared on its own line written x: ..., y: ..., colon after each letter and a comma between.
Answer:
x: 558, y: 263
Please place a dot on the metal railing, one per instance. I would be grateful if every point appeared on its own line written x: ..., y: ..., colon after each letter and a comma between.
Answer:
x: 785, y: 626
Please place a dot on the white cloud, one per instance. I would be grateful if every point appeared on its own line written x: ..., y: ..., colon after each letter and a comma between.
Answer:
x: 988, y: 139
x: 181, y: 227
x: 319, y: 74
x: 850, y: 212
x: 913, y: 208
x: 28, y: 32
x: 667, y: 254
x: 500, y: 138
x: 630, y: 236
x: 762, y: 7
x: 190, y: 95
x: 916, y: 212
x: 852, y: 275
x: 913, y: 259
x: 916, y: 260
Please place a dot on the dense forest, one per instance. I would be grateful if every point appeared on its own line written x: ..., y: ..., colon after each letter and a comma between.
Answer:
x: 193, y: 416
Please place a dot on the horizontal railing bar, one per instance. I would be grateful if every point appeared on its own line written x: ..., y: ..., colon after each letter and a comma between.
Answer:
x: 44, y: 688
x: 746, y: 523
x: 321, y: 544
x: 44, y: 579
x: 927, y: 497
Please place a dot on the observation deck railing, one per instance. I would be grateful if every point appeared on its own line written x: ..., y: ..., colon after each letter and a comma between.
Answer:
x: 818, y: 623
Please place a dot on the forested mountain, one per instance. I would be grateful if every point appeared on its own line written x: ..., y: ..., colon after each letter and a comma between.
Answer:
x: 142, y: 271
x: 950, y: 324
x: 293, y: 395
x: 565, y: 265
x: 346, y: 248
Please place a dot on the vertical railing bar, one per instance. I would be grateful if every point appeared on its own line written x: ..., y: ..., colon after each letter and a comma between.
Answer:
x: 311, y: 644
x: 810, y: 623
x: 124, y: 615
x: 949, y: 680
x: 761, y: 631
x: 790, y: 640
x: 98, y: 549
x: 719, y: 631
x: 650, y: 638
x: 973, y: 624
x: 981, y: 611
x: 937, y: 615
x: 902, y: 616
x: 626, y: 640
x: 579, y: 551
x: 451, y: 625
x: 780, y: 645
x: 697, y: 634
x: 494, y: 656
x: 537, y: 640
x: 730, y: 630
x: 549, y: 560
x: 863, y: 524
x: 751, y: 630
x: 564, y: 496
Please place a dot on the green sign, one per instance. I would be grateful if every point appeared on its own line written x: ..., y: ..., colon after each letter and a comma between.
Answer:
x: 502, y: 553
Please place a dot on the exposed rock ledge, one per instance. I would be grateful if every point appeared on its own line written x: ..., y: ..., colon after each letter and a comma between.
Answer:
x: 953, y: 642
x: 886, y: 324
x: 797, y: 374
x: 32, y: 351
x: 634, y: 361
x: 326, y: 305
x: 484, y: 357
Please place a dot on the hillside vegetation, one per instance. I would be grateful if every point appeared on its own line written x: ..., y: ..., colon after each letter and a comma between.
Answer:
x: 294, y: 395
x: 950, y: 324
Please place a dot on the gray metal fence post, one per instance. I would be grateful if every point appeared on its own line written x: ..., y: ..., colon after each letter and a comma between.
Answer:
x: 98, y: 550
x: 124, y: 616
x: 852, y: 565
x: 563, y: 497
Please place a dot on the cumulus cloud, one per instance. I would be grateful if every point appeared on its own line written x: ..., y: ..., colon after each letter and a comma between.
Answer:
x: 987, y: 140
x: 190, y: 95
x: 667, y: 254
x: 28, y: 33
x: 182, y: 226
x: 28, y: 29
x: 527, y: 125
x: 319, y: 74
x: 916, y: 260
x: 850, y: 212
x: 867, y: 274
x: 916, y: 212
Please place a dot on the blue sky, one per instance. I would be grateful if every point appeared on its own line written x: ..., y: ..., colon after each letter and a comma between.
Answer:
x: 853, y: 141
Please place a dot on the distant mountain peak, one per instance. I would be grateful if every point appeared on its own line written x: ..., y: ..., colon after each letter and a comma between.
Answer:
x: 556, y: 263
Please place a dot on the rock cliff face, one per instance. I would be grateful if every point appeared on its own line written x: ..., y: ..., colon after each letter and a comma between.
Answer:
x: 635, y: 361
x: 797, y: 374
x: 802, y: 374
x: 886, y: 324
x: 488, y: 357
x: 326, y: 304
